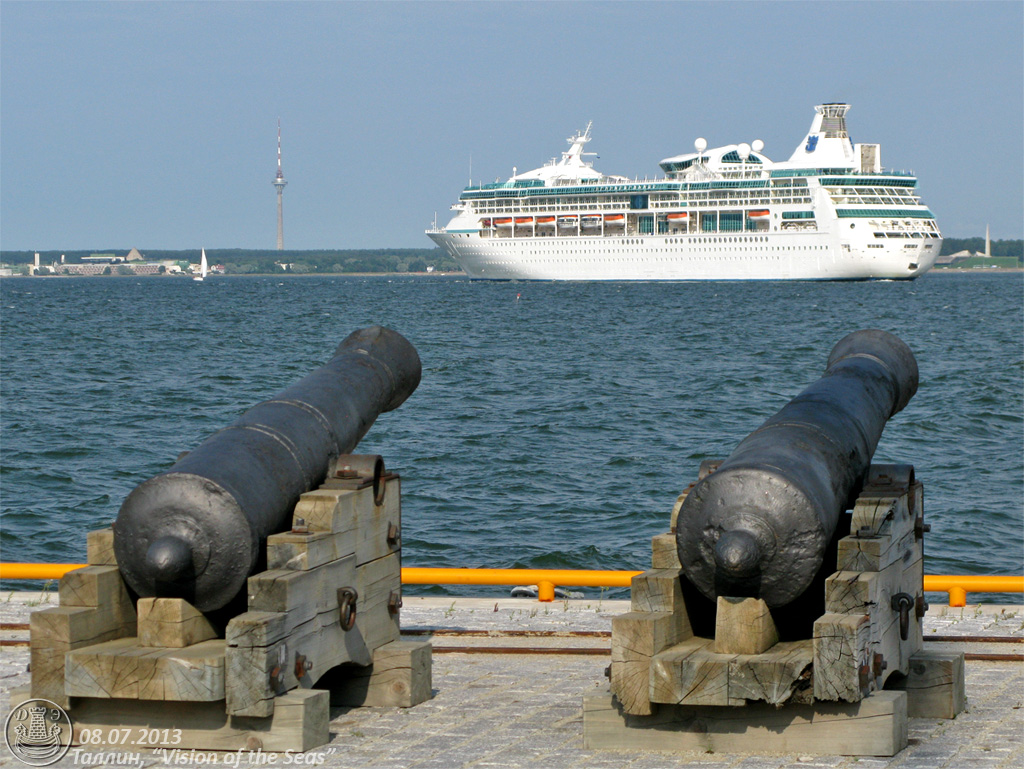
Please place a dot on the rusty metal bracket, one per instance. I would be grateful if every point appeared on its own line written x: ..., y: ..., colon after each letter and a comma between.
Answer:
x: 347, y: 597
x: 277, y: 672
x: 364, y: 469
x: 394, y: 602
x: 302, y: 667
x: 903, y: 603
x: 864, y: 678
x: 276, y: 682
x: 920, y: 606
x: 394, y: 537
x: 878, y: 665
x: 889, y: 477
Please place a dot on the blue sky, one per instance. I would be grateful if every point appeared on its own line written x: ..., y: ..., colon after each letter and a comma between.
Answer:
x: 154, y: 124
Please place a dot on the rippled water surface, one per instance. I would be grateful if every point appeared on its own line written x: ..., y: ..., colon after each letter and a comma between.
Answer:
x: 555, y: 423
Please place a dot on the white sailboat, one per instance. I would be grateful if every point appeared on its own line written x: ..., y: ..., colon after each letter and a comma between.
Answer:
x: 203, y: 267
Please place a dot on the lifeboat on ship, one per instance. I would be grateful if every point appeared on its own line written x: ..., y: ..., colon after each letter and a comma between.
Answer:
x: 615, y: 218
x: 676, y: 216
x: 590, y: 221
x: 545, y: 220
x: 524, y: 220
x: 758, y: 213
x: 505, y: 221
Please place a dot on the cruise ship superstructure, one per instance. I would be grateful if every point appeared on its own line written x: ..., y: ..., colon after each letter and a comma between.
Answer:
x: 830, y: 212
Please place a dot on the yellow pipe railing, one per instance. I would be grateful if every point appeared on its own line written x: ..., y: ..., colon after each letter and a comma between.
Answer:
x: 37, y: 570
x: 959, y: 585
x: 956, y: 585
x: 544, y: 579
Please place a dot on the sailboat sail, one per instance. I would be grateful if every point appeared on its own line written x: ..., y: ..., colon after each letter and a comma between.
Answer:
x: 203, y: 267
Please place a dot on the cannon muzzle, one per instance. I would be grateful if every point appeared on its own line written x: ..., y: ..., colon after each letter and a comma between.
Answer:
x: 759, y: 525
x: 197, y: 531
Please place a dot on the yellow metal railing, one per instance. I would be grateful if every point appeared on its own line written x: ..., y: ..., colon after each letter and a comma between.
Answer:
x: 959, y: 585
x: 544, y: 579
x: 956, y: 585
x: 36, y: 570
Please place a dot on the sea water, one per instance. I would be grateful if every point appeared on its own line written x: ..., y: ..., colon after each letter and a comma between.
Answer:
x: 555, y: 423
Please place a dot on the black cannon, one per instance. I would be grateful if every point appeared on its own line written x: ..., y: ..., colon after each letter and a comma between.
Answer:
x: 759, y: 525
x: 197, y: 531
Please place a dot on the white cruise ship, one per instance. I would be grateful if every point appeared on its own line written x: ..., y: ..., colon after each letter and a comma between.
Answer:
x: 830, y: 212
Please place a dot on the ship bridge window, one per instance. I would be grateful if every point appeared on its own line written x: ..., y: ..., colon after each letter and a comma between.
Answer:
x: 734, y: 157
x: 676, y: 167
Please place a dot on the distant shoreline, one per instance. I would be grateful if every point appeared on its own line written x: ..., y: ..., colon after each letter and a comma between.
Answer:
x: 981, y: 270
x: 933, y: 271
x: 265, y: 275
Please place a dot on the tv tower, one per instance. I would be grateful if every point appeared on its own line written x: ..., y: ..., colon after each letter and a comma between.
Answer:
x: 279, y: 182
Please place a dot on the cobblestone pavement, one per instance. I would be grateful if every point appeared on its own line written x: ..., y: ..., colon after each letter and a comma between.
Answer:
x: 522, y: 711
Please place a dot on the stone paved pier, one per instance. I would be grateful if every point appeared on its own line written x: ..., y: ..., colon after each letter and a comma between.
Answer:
x: 509, y: 676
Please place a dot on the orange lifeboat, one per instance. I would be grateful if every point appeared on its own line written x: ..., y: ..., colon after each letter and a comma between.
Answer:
x: 675, y: 217
x: 503, y: 222
x: 758, y: 213
x: 614, y: 217
x: 524, y: 219
x: 545, y: 220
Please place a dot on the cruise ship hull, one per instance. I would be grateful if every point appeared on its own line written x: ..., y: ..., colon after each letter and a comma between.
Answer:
x: 806, y: 256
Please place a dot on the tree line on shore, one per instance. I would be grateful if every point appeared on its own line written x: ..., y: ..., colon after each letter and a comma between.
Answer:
x: 977, y: 245
x: 238, y: 261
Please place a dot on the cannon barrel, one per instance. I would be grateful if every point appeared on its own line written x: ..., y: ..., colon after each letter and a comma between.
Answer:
x: 197, y: 531
x: 759, y: 525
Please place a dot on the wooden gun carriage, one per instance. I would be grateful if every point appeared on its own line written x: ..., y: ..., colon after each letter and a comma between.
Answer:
x: 773, y: 621
x: 261, y: 565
